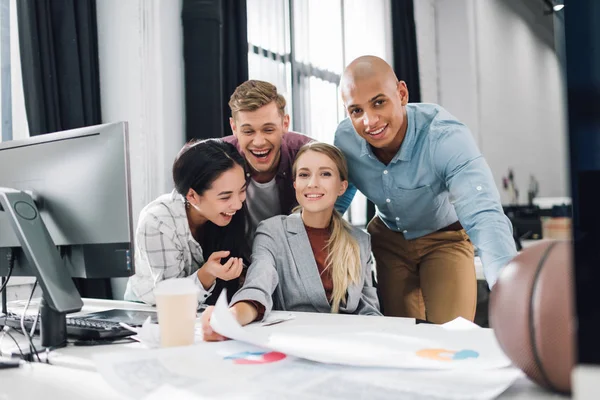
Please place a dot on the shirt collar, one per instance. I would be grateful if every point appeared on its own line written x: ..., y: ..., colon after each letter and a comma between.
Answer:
x: 365, y: 149
x: 175, y: 196
x: 408, y: 144
x: 285, y: 166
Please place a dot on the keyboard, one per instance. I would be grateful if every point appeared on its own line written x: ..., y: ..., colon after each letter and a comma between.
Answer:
x: 77, y: 328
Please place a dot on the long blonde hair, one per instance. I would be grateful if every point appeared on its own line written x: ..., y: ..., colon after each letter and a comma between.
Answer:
x: 343, y: 253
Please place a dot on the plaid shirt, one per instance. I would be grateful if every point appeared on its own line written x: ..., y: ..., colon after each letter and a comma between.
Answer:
x: 164, y: 249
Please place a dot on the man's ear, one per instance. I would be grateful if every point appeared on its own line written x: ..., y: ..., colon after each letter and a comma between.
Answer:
x: 402, y: 92
x: 286, y: 123
x: 343, y: 188
x: 233, y: 126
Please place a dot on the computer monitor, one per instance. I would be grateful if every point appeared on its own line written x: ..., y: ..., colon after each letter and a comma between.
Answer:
x: 66, y: 205
x: 582, y: 49
x: 80, y: 180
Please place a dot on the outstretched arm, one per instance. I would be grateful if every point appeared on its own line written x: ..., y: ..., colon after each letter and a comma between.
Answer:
x: 254, y: 299
x: 262, y: 278
x: 458, y: 162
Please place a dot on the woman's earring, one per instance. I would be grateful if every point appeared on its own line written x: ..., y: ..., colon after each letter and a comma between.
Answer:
x: 195, y: 206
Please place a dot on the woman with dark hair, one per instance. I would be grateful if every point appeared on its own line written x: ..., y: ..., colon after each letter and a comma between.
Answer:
x: 198, y: 230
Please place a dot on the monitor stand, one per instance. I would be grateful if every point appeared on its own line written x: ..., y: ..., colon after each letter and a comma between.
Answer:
x: 53, y: 326
x: 60, y: 296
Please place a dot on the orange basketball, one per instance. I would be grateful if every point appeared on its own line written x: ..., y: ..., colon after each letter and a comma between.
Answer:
x: 532, y: 313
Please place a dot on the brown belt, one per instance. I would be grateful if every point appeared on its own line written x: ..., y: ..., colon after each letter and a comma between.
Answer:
x: 456, y: 226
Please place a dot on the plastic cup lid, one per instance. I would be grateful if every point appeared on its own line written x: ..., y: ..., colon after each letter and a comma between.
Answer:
x: 175, y: 286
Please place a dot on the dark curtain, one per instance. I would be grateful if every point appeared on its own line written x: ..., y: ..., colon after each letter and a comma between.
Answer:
x: 59, y: 62
x: 406, y: 63
x: 215, y: 52
x: 404, y: 44
x: 58, y: 40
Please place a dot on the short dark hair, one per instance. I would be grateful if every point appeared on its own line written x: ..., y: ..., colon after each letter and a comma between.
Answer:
x: 200, y: 162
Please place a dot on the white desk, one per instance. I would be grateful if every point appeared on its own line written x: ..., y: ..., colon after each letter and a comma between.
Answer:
x: 72, y: 373
x: 43, y: 381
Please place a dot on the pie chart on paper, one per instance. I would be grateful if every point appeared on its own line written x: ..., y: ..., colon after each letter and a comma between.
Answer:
x: 255, y: 357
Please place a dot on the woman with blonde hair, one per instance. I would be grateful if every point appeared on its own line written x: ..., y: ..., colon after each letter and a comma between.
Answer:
x: 312, y: 260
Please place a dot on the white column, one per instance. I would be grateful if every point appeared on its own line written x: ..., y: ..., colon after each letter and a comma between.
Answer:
x: 458, y: 70
x: 141, y: 81
x: 426, y: 32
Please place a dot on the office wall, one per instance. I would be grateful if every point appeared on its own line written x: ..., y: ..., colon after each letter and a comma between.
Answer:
x: 141, y: 81
x: 427, y: 49
x: 20, y: 128
x: 494, y: 69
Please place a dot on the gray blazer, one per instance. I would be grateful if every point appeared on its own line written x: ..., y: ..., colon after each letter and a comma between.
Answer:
x: 284, y: 275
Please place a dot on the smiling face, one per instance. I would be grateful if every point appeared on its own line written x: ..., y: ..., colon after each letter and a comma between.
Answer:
x: 223, y: 199
x: 376, y: 108
x: 317, y: 182
x: 259, y: 134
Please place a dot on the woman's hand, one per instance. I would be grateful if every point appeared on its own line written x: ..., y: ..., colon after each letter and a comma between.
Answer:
x: 213, y: 268
x: 244, y: 312
x: 207, y: 332
x: 228, y: 271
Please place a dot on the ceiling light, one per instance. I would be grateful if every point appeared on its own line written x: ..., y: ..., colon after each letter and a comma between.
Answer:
x: 558, y: 7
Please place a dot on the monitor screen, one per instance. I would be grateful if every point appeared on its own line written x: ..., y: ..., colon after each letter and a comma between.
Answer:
x: 582, y: 41
x: 80, y: 182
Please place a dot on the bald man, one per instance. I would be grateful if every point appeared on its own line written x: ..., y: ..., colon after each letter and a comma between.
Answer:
x: 434, y: 194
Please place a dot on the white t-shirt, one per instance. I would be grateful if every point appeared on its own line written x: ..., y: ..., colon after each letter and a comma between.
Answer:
x: 263, y: 202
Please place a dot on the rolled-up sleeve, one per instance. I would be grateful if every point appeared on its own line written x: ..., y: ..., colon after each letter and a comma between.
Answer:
x: 459, y: 163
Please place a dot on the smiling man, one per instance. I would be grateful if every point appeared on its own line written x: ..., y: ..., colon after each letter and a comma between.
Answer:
x: 434, y: 193
x: 261, y: 134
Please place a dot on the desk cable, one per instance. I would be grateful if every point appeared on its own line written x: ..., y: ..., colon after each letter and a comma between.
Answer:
x: 27, y: 334
x: 6, y: 329
x: 11, y: 265
x: 5, y: 332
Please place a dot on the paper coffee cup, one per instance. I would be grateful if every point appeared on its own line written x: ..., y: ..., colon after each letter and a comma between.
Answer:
x: 176, y: 304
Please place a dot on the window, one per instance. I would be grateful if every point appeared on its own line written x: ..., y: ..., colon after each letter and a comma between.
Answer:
x: 302, y: 47
x: 12, y: 103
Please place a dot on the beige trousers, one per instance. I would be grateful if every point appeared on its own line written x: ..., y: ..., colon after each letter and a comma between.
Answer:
x: 432, y: 277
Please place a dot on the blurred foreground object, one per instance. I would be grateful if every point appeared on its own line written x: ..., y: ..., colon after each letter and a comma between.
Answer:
x: 532, y: 313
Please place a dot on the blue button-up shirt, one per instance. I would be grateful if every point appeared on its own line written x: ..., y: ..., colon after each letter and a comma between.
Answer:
x: 437, y: 177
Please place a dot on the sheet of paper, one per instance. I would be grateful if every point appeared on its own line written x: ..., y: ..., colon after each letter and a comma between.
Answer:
x: 208, y: 370
x: 460, y: 324
x: 222, y: 321
x: 276, y: 319
x: 171, y: 392
x: 420, y: 346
